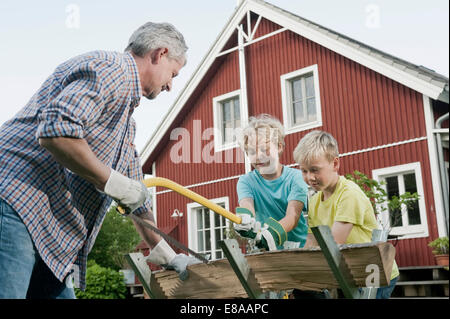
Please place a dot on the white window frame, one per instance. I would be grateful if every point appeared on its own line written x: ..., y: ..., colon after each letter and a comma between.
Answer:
x: 413, y: 231
x: 286, y: 97
x: 217, y: 115
x: 192, y: 224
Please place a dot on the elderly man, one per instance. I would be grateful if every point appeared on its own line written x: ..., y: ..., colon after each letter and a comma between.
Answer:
x: 69, y: 152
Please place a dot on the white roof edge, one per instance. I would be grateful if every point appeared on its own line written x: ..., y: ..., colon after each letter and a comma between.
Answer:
x: 289, y: 21
x: 195, y: 78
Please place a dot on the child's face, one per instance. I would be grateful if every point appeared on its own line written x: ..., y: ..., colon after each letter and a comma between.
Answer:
x: 263, y: 154
x: 320, y: 173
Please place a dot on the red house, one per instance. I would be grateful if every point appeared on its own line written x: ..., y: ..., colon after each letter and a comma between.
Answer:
x: 383, y: 111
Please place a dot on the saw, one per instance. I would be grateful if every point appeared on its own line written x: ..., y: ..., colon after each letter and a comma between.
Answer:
x: 158, y: 181
x: 169, y: 239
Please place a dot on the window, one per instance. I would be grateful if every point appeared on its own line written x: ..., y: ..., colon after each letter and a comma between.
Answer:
x: 407, y: 221
x: 227, y: 119
x: 230, y: 119
x: 301, y: 99
x: 207, y: 229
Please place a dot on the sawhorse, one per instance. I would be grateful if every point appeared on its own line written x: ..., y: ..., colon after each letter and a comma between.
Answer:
x: 247, y: 278
x: 331, y: 252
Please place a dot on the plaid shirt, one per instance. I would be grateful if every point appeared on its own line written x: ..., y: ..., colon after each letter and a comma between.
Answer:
x: 91, y: 96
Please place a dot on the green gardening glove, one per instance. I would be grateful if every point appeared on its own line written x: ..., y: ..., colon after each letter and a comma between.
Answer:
x: 246, y: 227
x: 272, y: 234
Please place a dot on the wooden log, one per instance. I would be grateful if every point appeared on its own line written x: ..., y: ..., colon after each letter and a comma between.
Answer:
x: 301, y: 268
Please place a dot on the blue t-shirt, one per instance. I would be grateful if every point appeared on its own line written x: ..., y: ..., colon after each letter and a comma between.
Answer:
x: 271, y: 197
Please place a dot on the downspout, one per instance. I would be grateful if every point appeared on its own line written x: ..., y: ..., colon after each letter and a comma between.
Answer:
x: 443, y: 172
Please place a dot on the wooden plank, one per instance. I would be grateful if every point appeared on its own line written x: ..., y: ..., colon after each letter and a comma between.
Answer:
x: 278, y: 270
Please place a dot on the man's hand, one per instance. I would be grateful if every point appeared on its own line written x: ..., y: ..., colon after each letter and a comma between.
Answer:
x: 163, y: 255
x: 179, y: 263
x: 128, y: 193
x: 247, y: 227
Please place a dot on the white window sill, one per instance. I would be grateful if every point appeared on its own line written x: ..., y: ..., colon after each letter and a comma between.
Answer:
x: 303, y: 127
x: 224, y: 147
x: 409, y: 234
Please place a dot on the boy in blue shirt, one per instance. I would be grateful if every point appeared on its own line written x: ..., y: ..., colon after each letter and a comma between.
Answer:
x: 272, y: 197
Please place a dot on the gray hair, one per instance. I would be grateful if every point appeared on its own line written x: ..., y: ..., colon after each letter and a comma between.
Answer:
x: 151, y: 36
x: 263, y: 124
x: 314, y: 144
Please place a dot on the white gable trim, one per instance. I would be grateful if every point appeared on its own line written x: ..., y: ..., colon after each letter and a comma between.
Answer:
x: 330, y: 42
x: 194, y: 80
x: 327, y: 40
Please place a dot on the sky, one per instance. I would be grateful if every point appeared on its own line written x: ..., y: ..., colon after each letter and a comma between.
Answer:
x: 36, y: 36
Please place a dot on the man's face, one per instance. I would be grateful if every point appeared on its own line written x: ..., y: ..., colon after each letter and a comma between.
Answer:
x: 162, y: 70
x: 263, y: 154
x: 320, y: 173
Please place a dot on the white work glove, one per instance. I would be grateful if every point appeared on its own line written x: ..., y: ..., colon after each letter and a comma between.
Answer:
x: 128, y: 193
x: 271, y: 235
x: 247, y: 226
x: 162, y: 254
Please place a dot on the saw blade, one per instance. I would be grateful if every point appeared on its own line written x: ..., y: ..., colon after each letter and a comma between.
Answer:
x: 169, y: 239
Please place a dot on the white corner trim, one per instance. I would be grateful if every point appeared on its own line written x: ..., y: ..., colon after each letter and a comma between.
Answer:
x: 154, y: 204
x: 434, y: 167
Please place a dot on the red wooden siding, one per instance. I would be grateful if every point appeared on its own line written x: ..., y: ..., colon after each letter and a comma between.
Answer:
x: 202, y: 110
x: 360, y: 107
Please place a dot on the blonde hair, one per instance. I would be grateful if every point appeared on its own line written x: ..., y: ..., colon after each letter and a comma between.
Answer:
x: 263, y: 123
x: 315, y: 144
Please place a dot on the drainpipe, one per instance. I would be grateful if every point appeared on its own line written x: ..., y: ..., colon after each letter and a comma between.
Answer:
x: 443, y: 172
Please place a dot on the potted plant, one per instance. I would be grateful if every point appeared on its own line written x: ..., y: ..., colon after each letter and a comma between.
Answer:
x: 440, y: 250
x: 381, y: 201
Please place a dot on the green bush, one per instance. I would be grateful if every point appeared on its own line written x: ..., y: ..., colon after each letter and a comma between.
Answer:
x: 117, y: 237
x: 102, y: 283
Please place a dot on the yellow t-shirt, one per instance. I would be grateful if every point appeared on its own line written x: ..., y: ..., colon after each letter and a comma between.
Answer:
x: 347, y: 204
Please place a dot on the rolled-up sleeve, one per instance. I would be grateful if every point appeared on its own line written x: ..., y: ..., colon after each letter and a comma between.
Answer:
x: 86, y: 92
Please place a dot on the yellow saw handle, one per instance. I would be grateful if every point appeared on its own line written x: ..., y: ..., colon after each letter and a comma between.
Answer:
x: 167, y: 183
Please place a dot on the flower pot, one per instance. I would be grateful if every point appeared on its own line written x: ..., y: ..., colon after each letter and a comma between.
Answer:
x: 441, y: 260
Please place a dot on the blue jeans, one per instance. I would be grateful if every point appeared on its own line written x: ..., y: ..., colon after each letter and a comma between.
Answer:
x: 23, y: 274
x: 385, y: 292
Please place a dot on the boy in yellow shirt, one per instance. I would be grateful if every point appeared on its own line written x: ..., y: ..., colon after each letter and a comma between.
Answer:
x: 338, y: 203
